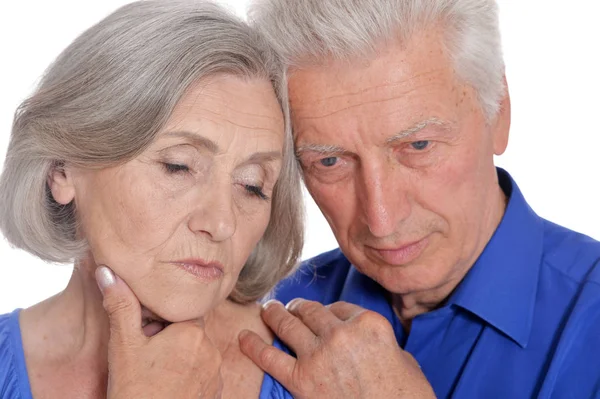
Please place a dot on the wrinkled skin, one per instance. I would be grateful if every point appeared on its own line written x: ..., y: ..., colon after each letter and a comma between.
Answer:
x: 398, y: 154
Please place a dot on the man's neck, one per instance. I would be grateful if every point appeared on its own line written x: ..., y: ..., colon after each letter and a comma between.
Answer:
x: 408, y: 306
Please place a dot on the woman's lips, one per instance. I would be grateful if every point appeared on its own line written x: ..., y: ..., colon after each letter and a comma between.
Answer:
x: 207, y: 271
x: 403, y: 254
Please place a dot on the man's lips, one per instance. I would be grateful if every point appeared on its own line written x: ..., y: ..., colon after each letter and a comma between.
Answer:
x: 401, y: 254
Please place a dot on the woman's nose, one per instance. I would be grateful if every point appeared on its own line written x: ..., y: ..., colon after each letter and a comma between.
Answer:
x: 215, y: 215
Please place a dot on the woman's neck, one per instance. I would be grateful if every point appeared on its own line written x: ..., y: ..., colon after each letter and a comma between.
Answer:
x: 73, y: 320
x: 66, y: 336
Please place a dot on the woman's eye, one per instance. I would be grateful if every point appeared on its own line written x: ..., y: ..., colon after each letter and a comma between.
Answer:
x: 176, y: 168
x: 420, y: 145
x: 329, y: 161
x: 256, y: 191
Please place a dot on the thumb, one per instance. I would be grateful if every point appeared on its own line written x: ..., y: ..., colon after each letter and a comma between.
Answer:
x: 121, y: 305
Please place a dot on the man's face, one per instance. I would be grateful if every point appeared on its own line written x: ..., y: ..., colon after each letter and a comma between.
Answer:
x: 399, y: 157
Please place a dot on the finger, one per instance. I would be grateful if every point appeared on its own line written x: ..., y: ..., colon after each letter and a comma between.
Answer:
x: 345, y: 311
x: 271, y: 360
x: 153, y: 328
x: 314, y: 315
x: 288, y: 327
x: 121, y: 305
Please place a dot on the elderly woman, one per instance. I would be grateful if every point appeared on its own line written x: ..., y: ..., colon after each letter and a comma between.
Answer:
x: 156, y: 156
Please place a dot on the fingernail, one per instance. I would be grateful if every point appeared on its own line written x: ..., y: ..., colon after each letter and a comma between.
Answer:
x: 293, y: 303
x: 270, y: 303
x: 105, y: 277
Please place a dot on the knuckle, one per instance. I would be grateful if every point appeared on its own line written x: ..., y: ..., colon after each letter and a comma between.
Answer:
x: 267, y: 357
x: 373, y: 321
x: 375, y: 326
x: 338, y: 304
x: 285, y: 326
x: 308, y: 308
x: 115, y: 305
x: 342, y: 337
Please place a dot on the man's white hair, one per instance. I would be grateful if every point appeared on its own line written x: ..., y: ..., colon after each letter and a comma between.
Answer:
x: 310, y: 32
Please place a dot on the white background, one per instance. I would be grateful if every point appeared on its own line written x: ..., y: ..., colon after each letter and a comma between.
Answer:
x: 552, y: 54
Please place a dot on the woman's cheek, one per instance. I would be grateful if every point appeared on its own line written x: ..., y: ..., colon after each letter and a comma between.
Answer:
x: 251, y: 228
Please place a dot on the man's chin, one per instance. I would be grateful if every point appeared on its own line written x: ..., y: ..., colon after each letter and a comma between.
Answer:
x: 394, y: 279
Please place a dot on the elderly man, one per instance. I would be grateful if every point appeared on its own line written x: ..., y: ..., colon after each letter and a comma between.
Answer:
x: 399, y: 107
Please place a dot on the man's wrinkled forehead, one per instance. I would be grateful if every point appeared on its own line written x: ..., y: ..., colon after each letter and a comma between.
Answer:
x: 321, y: 90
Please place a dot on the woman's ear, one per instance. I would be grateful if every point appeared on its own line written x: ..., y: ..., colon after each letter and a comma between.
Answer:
x: 60, y: 181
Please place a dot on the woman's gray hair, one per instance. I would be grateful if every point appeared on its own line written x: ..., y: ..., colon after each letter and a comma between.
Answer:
x: 309, y: 32
x: 102, y: 103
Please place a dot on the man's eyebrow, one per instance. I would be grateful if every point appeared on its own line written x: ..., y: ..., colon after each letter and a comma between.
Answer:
x: 320, y: 149
x: 196, y: 140
x: 415, y: 129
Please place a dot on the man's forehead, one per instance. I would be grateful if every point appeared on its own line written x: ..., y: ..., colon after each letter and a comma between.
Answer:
x: 319, y: 91
x: 393, y: 60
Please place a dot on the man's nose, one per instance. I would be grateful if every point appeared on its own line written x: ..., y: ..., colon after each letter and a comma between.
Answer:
x: 384, y: 201
x: 214, y: 215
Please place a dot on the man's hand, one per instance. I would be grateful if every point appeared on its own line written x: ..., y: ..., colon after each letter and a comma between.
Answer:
x: 178, y: 362
x: 343, y: 351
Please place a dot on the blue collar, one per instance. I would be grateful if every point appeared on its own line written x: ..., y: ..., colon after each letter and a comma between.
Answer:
x: 501, y: 286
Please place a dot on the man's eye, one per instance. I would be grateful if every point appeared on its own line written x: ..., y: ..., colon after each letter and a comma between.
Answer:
x: 329, y: 161
x: 420, y: 145
x: 176, y: 168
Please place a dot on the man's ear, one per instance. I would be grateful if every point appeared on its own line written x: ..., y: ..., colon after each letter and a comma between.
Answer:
x: 60, y: 181
x: 501, y: 126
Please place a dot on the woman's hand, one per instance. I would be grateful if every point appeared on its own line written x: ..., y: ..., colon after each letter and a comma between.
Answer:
x: 178, y: 362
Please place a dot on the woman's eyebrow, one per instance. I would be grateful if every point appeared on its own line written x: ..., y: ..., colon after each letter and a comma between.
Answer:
x: 264, y: 157
x: 196, y: 140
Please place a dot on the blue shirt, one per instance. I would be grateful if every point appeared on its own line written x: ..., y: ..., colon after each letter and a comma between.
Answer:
x: 14, y: 381
x: 523, y: 323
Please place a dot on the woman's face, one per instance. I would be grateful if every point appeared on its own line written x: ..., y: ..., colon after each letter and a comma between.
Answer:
x: 178, y: 222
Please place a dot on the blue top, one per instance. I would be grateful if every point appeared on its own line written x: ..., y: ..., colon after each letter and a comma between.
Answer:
x: 14, y: 381
x: 524, y: 323
x: 271, y: 388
